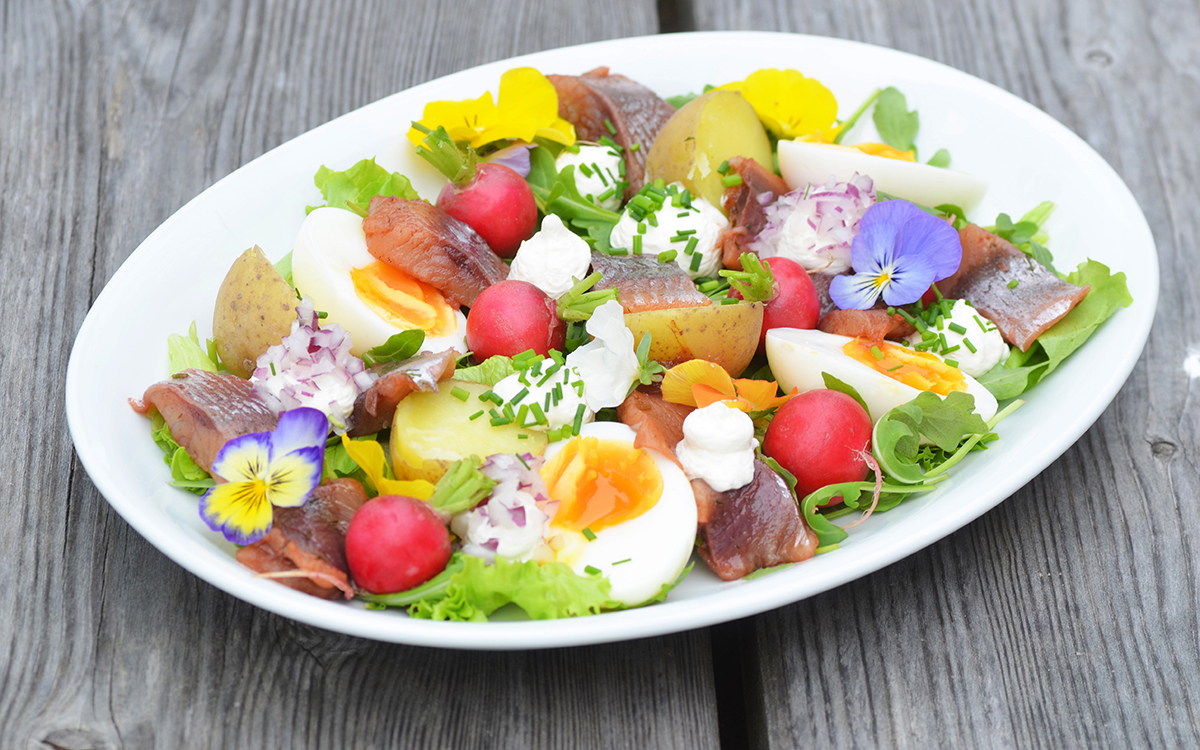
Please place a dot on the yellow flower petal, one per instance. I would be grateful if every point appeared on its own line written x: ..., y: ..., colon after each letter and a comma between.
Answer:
x: 368, y: 454
x: 526, y: 107
x: 291, y: 480
x: 239, y: 509
x: 789, y: 104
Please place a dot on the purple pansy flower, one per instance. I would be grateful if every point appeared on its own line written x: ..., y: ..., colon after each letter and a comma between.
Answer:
x: 899, y: 252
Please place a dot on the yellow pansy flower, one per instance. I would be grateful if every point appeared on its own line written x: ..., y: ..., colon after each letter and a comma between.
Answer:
x: 525, y: 108
x: 368, y: 454
x: 789, y: 104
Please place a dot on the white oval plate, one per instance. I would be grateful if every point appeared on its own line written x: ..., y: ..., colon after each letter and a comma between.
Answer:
x: 172, y: 279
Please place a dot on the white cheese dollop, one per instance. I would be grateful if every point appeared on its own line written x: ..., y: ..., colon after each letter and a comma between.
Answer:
x: 675, y: 226
x: 990, y: 349
x: 718, y: 446
x: 561, y: 411
x: 553, y: 259
x: 608, y: 364
x: 598, y: 172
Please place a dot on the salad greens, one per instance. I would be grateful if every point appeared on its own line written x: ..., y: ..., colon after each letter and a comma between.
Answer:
x: 896, y: 125
x: 353, y: 189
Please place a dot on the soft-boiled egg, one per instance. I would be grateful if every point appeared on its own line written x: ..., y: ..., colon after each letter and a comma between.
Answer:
x: 370, y: 299
x: 799, y: 357
x: 625, y: 512
x: 804, y: 164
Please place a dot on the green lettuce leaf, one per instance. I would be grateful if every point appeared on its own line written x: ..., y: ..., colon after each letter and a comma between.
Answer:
x: 556, y: 193
x: 546, y: 591
x: 185, y: 473
x: 184, y: 352
x: 1023, y: 370
x: 896, y: 125
x: 397, y: 348
x: 491, y: 371
x: 354, y: 188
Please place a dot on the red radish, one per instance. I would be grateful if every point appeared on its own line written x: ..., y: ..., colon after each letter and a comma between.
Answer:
x: 820, y: 437
x: 492, y: 199
x: 795, y: 304
x: 511, y: 317
x: 395, y: 543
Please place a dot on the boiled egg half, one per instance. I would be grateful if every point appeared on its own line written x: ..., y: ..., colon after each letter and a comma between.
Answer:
x: 804, y: 164
x: 370, y: 299
x: 799, y: 357
x: 623, y: 512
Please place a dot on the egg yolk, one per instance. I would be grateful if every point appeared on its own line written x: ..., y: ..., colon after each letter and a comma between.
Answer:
x: 402, y: 300
x: 871, y: 149
x: 921, y: 370
x: 601, y: 483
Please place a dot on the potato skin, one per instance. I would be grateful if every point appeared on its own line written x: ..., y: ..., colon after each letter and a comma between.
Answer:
x: 725, y: 334
x: 254, y: 311
x: 706, y: 131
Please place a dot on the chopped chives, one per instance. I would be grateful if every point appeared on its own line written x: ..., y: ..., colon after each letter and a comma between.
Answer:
x: 501, y: 421
x: 591, y: 571
x: 679, y: 238
x: 979, y: 322
x: 522, y: 413
x: 606, y: 141
x: 667, y: 256
x: 697, y: 258
x: 876, y: 353
x: 724, y: 168
x: 618, y: 562
x: 460, y: 394
x: 637, y: 244
x: 520, y: 395
x: 618, y: 251
x: 586, y: 170
x: 893, y: 369
x: 508, y: 410
x: 607, y: 194
x: 653, y: 220
x: 539, y: 415
x: 952, y: 349
x: 691, y: 246
x: 1013, y: 284
x: 957, y: 328
x: 731, y: 180
x: 729, y: 300
x: 600, y: 173
x: 522, y: 460
x: 522, y: 436
x: 612, y: 129
x: 685, y: 232
x: 967, y: 343
x: 952, y: 362
x: 683, y: 214
x: 476, y: 415
x: 641, y: 227
x: 588, y: 533
x: 634, y: 147
x: 578, y: 425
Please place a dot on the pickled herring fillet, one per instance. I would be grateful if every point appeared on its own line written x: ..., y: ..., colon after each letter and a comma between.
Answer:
x: 658, y: 424
x: 643, y: 283
x: 204, y: 410
x: 1022, y: 311
x: 311, y: 538
x: 636, y: 114
x: 375, y: 407
x: 875, y: 325
x: 430, y: 245
x: 752, y: 527
x: 745, y: 203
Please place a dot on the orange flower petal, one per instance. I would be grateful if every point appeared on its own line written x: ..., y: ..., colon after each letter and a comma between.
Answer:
x: 678, y: 382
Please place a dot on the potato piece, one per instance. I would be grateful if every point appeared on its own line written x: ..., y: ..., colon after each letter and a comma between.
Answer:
x: 725, y: 334
x: 255, y: 309
x: 433, y: 430
x: 705, y: 132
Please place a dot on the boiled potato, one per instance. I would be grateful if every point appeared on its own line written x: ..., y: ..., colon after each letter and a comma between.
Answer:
x: 725, y: 334
x: 255, y: 310
x: 708, y: 130
x: 433, y: 430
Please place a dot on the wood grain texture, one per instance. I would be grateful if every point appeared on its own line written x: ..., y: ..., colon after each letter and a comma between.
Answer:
x: 1067, y: 617
x: 116, y: 114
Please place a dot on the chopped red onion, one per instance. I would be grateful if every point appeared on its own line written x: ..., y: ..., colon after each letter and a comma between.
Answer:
x: 815, y: 226
x: 312, y: 366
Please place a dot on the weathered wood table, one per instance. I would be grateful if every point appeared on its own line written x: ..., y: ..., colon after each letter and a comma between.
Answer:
x: 1065, y: 617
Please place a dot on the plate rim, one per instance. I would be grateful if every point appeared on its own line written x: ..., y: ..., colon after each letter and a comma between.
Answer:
x: 669, y: 617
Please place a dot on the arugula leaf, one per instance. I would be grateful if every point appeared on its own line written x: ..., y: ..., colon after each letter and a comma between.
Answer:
x: 834, y: 384
x: 544, y: 591
x: 489, y: 372
x: 284, y: 267
x: 184, y: 352
x: 397, y: 348
x: 854, y: 495
x: 1023, y: 370
x: 354, y: 188
x: 430, y: 591
x: 556, y: 193
x: 896, y: 125
x: 941, y: 159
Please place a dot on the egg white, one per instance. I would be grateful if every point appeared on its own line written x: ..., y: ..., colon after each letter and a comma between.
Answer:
x: 331, y: 243
x: 798, y: 357
x: 805, y: 164
x: 657, y: 544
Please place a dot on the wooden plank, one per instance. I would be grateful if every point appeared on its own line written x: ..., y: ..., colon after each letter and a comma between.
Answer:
x: 1067, y: 616
x: 116, y: 115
